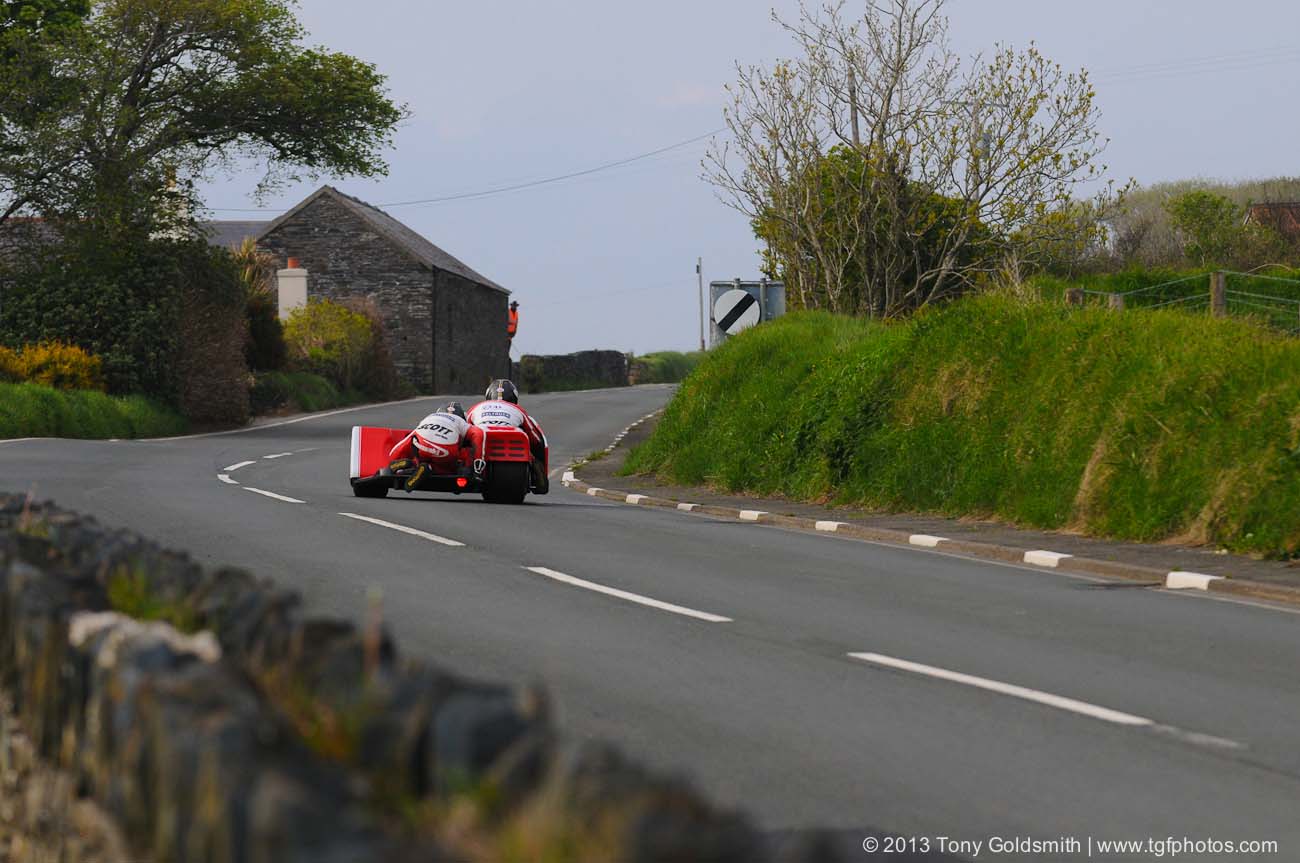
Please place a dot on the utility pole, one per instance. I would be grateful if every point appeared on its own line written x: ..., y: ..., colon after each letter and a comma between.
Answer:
x: 699, y: 275
x: 853, y: 105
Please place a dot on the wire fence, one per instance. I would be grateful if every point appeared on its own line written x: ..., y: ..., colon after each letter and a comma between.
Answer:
x: 1222, y: 293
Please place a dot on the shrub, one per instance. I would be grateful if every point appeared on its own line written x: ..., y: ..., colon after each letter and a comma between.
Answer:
x: 265, y: 350
x: 65, y: 367
x: 270, y: 392
x: 330, y: 340
x: 378, y: 376
x: 212, y: 375
x: 297, y: 390
x: 10, y: 371
x: 117, y: 297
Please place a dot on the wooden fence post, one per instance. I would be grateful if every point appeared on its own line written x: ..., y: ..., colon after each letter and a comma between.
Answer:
x: 1074, y: 297
x: 1218, y: 294
x: 1116, y: 302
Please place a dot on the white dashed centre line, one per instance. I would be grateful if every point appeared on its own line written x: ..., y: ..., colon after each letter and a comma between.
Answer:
x: 401, y: 528
x: 630, y: 597
x: 1060, y: 702
x: 1057, y: 701
x: 272, y: 495
x: 235, y: 467
x: 277, y: 455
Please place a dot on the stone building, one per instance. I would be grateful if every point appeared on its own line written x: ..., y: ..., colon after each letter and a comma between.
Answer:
x: 446, y: 323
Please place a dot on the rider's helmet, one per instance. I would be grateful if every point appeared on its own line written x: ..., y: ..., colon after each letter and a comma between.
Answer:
x: 455, y: 408
x: 502, y: 390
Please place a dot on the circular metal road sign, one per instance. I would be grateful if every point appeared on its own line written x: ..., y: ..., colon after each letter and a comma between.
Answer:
x: 735, y: 310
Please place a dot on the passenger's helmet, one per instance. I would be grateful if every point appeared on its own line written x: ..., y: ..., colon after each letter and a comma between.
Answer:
x: 455, y: 408
x: 502, y: 390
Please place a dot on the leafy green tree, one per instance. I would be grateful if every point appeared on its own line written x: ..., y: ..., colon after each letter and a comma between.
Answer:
x: 1209, y: 225
x: 28, y: 85
x: 842, y: 252
x: 151, y: 90
x: 953, y: 165
x: 33, y: 18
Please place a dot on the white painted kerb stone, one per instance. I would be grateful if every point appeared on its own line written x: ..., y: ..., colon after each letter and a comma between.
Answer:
x: 1178, y: 580
x: 1045, y: 558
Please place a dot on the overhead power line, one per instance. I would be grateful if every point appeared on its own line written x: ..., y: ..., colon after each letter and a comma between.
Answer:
x: 547, y: 180
x: 1229, y: 62
x: 529, y: 184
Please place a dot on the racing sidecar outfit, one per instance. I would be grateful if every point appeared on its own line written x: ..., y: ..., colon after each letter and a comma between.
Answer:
x: 503, y: 414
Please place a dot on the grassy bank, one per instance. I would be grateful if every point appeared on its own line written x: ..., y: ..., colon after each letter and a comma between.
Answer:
x: 665, y: 367
x: 31, y: 410
x: 1145, y: 425
x: 299, y: 391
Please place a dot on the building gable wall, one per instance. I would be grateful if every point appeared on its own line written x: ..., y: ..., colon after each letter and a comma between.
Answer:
x: 346, y: 259
x: 470, y: 335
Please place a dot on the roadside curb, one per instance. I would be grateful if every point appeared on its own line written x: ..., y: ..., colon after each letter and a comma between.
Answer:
x: 1037, y: 558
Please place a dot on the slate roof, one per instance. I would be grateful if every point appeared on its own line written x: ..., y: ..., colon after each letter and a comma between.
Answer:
x: 230, y: 233
x: 415, y: 245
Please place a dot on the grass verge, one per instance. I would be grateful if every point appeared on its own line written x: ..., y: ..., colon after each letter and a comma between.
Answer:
x: 1146, y: 425
x: 32, y: 410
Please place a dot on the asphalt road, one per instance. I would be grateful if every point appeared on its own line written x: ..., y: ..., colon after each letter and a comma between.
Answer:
x: 988, y: 700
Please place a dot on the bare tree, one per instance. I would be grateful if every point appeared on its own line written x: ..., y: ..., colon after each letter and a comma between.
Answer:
x: 884, y: 172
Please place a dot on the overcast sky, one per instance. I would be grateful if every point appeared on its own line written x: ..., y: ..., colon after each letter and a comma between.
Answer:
x: 509, y: 92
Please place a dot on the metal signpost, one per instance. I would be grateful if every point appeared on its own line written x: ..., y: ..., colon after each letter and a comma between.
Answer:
x: 738, y: 305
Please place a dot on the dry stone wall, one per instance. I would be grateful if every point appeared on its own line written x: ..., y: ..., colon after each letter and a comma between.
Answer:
x: 234, y: 726
x: 582, y: 370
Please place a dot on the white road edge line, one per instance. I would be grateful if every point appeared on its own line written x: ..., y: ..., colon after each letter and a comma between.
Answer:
x: 272, y: 494
x: 237, y: 466
x: 319, y: 415
x: 1045, y: 558
x: 924, y: 540
x: 630, y: 597
x: 1179, y: 580
x: 226, y: 479
x: 277, y: 455
x: 1083, y: 708
x: 432, y: 537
